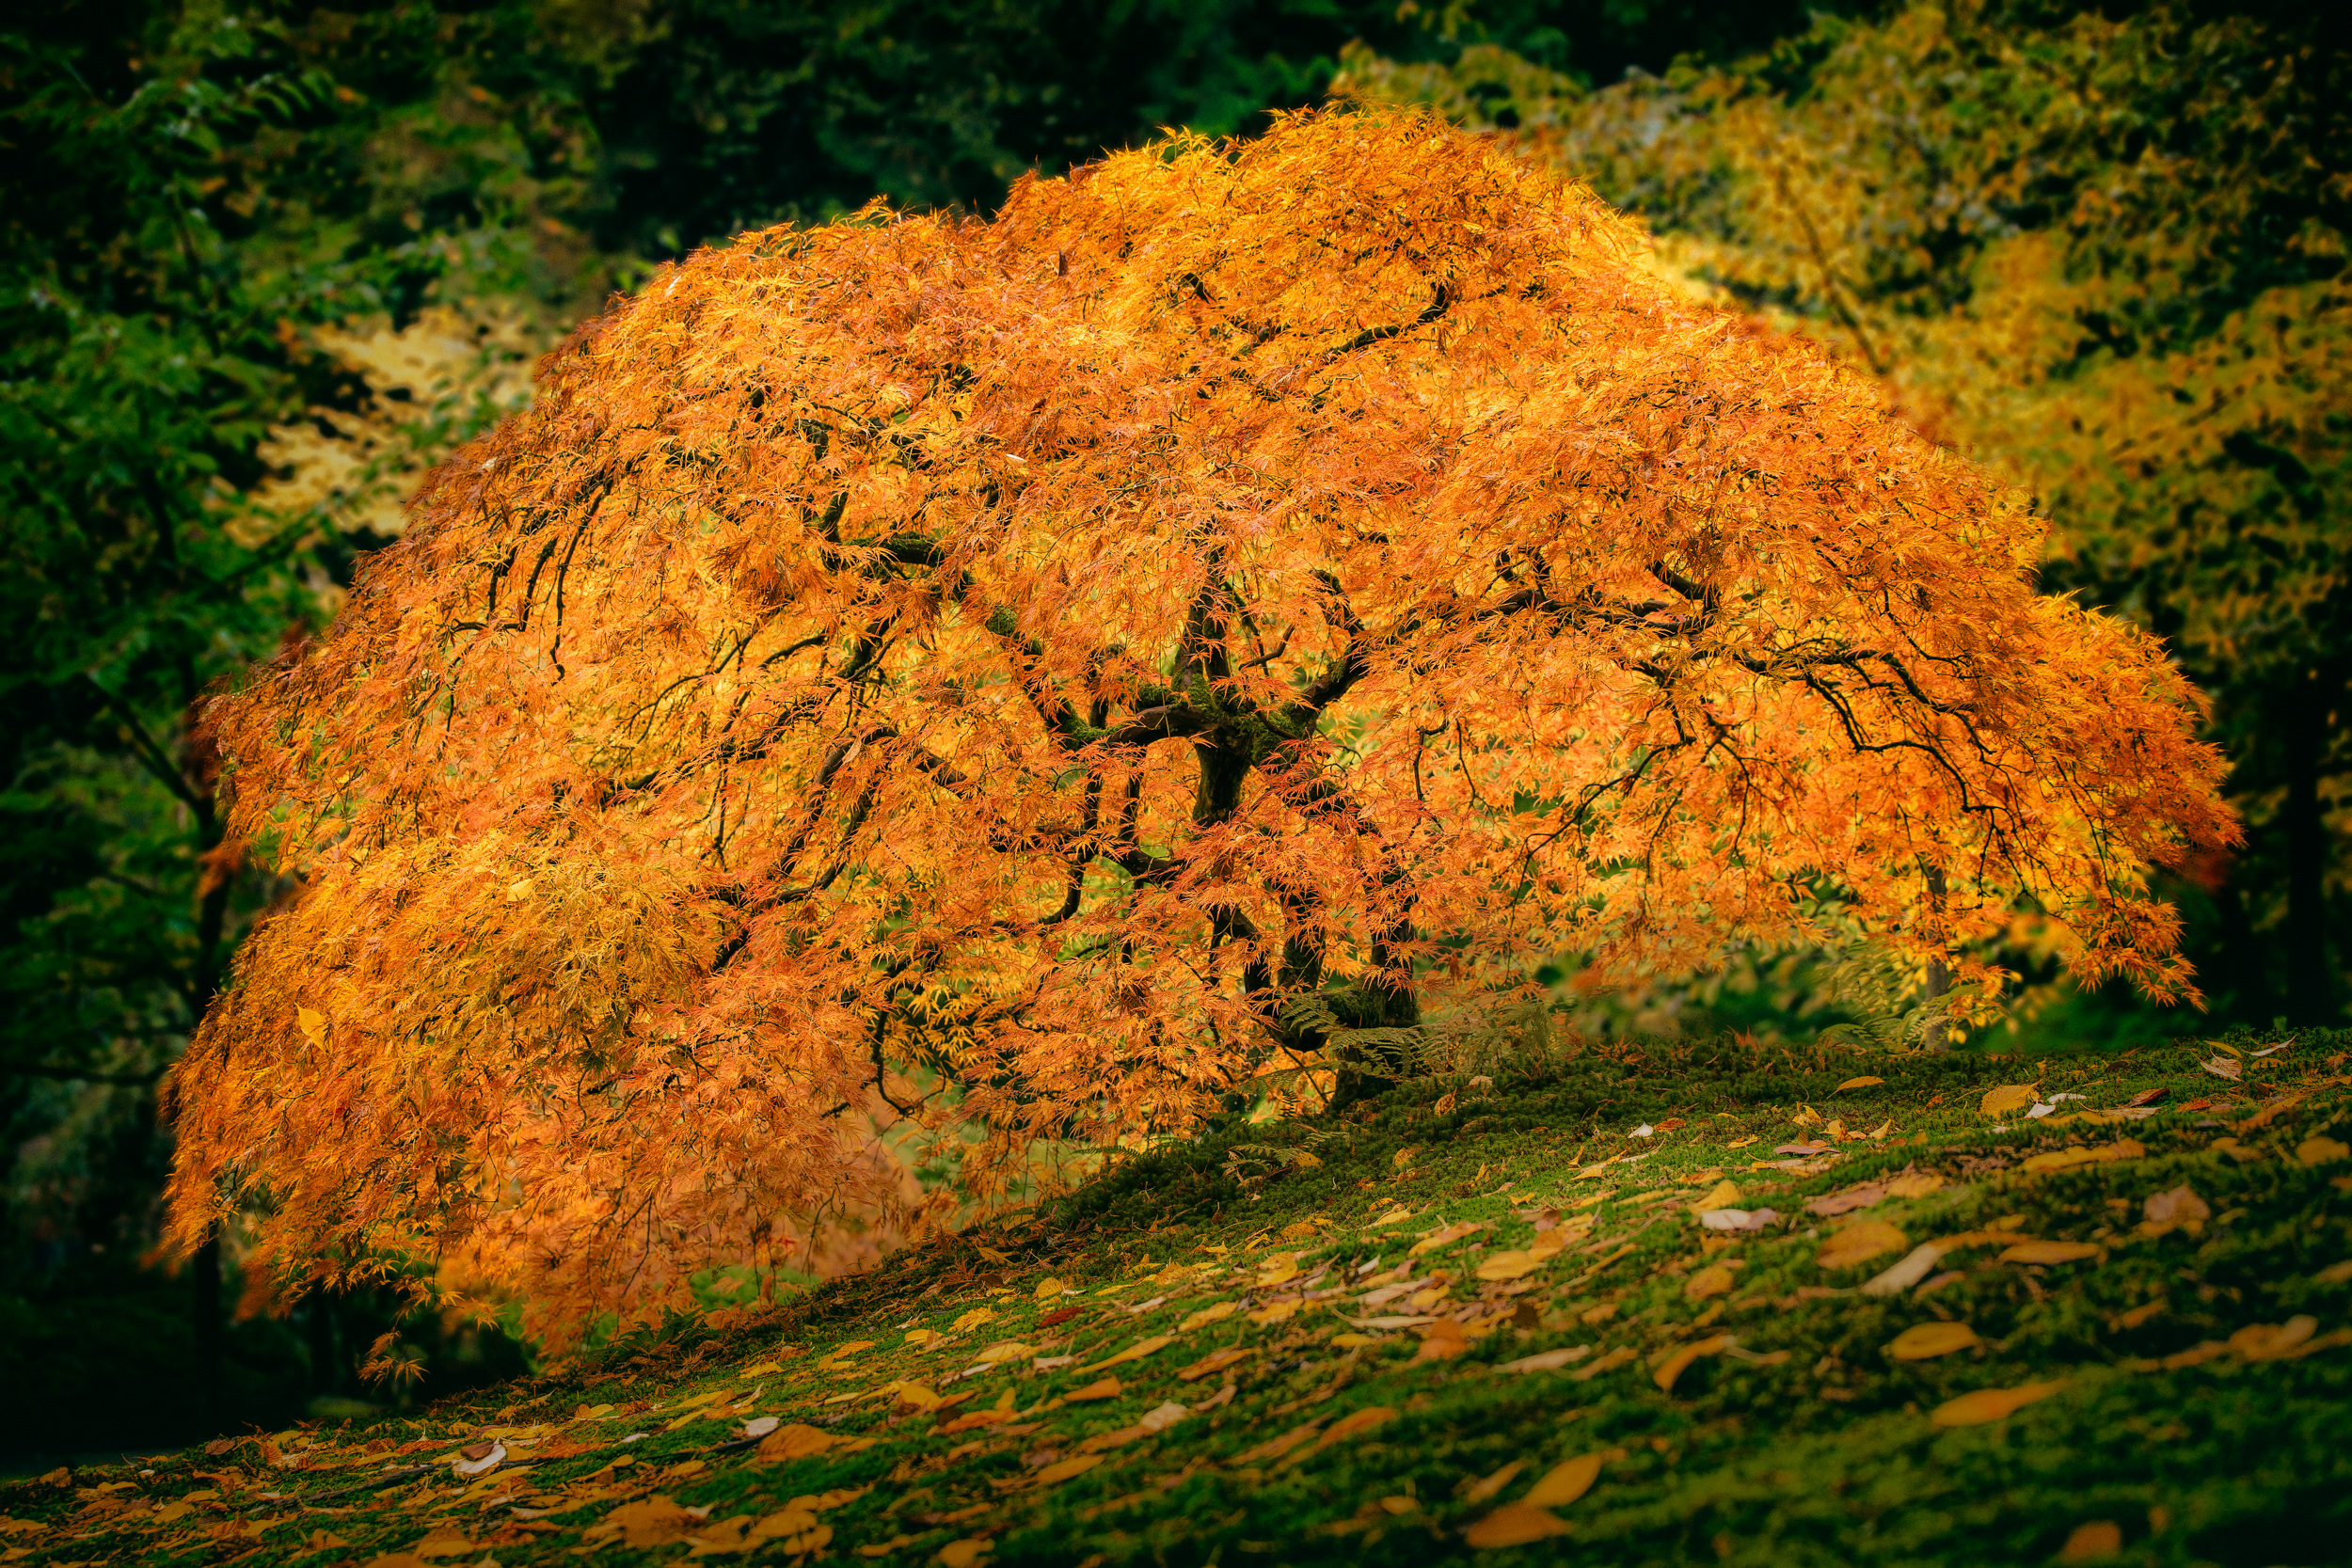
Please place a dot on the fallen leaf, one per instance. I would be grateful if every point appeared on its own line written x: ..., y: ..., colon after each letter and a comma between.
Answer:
x: 1354, y: 1424
x: 1048, y: 1287
x: 1062, y: 1469
x: 1711, y: 1281
x: 1161, y: 1416
x: 1403, y: 1157
x: 1515, y: 1525
x: 1278, y: 1271
x: 1679, y: 1360
x: 1856, y: 1084
x: 1832, y: 1204
x: 2222, y: 1067
x: 1915, y: 1185
x: 972, y: 1319
x: 1739, y: 1219
x: 760, y: 1426
x: 884, y: 1548
x: 1216, y: 1361
x: 1609, y: 1361
x: 1511, y: 1265
x: 1274, y: 1448
x: 1136, y: 1352
x: 1442, y: 1340
x: 2091, y: 1542
x: 1446, y: 1236
x: 1926, y: 1341
x: 1914, y: 1268
x: 2268, y: 1341
x: 2007, y: 1100
x: 962, y: 1554
x: 2147, y: 1097
x: 1299, y: 1231
x: 2319, y: 1150
x: 479, y: 1459
x: 655, y: 1522
x: 1740, y: 1143
x: 1546, y: 1361
x: 1479, y: 1491
x: 1858, y: 1243
x: 795, y: 1441
x: 1567, y: 1480
x: 1722, y: 1195
x: 1276, y: 1312
x: 1643, y: 1131
x: 1003, y: 1351
x: 1802, y: 1148
x: 1991, y: 1405
x: 2335, y: 1274
x: 921, y: 1396
x: 1394, y: 1216
x: 2062, y: 1159
x: 2049, y: 1251
x: 2177, y: 1210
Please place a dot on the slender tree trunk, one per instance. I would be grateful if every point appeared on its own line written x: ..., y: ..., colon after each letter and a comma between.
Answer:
x: 1939, y: 978
x: 2309, y: 987
x: 204, y: 1280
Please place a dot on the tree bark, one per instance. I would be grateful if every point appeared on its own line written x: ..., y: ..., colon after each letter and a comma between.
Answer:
x: 2311, y: 990
x: 204, y: 1279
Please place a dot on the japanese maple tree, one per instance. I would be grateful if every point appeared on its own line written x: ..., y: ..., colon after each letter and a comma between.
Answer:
x: 1021, y: 677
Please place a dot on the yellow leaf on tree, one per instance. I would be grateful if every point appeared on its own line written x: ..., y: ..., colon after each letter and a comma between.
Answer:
x: 1858, y: 1244
x: 1926, y: 1341
x: 1991, y: 1405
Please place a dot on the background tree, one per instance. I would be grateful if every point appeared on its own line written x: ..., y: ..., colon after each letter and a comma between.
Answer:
x: 2105, y: 251
x: 1244, y: 596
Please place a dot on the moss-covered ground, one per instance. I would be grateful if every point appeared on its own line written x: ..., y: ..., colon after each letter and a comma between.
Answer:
x: 1468, y: 1322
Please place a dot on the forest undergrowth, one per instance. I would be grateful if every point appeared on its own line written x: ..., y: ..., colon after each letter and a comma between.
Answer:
x: 1668, y: 1302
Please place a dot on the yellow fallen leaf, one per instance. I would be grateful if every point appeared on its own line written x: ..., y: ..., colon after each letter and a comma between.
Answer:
x: 311, y: 1022
x: 2049, y: 1251
x: 1740, y: 1143
x: 1859, y: 1243
x: 1515, y: 1525
x: 884, y: 1548
x: 1479, y: 1491
x: 1916, y: 1184
x: 2091, y: 1542
x: 1062, y: 1469
x: 1403, y: 1157
x: 2317, y: 1150
x: 2177, y: 1210
x: 1218, y: 1312
x: 963, y: 1554
x: 1711, y: 1281
x: 2335, y: 1274
x: 321, y: 1539
x: 916, y: 1394
x: 1566, y: 1482
x: 1722, y: 1195
x: 1216, y: 1361
x: 1991, y: 1405
x: 1274, y: 1448
x: 1856, y: 1084
x: 972, y: 1319
x: 592, y: 1411
x: 1441, y: 1341
x: 763, y: 1369
x: 1925, y: 1340
x: 1512, y: 1265
x: 1350, y: 1339
x: 2062, y: 1159
x: 1276, y: 1312
x: 1136, y: 1352
x: 1354, y: 1424
x: 1394, y: 1216
x: 1278, y: 1271
x: 1299, y: 1231
x: 2267, y: 1341
x: 1050, y: 1287
x: 1003, y: 1351
x: 655, y: 1522
x: 2007, y: 1100
x: 1679, y: 1360
x: 796, y: 1441
x: 1551, y: 1243
x: 1548, y: 1360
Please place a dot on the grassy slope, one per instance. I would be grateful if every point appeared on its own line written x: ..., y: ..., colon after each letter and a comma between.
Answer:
x: 1826, y: 1455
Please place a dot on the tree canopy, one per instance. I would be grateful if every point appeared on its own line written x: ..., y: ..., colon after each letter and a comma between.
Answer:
x: 1021, y: 679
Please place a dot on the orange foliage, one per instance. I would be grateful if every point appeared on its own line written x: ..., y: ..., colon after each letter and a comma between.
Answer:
x: 981, y: 673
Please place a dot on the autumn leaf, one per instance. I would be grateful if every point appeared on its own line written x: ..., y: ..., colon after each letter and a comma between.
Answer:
x: 1991, y: 1405
x: 1711, y: 1281
x: 2177, y: 1208
x: 2089, y: 1542
x: 657, y: 1521
x: 1925, y: 1340
x: 1511, y: 1265
x: 964, y: 1553
x: 1722, y: 1195
x: 1050, y: 1287
x: 1276, y: 1312
x: 1515, y: 1525
x: 1216, y: 1312
x: 2322, y: 1150
x: 1915, y: 1184
x: 1441, y: 1340
x: 1480, y: 1491
x: 1858, y: 1243
x: 1062, y: 1469
x: 1136, y: 1352
x: 1568, y: 1480
x: 1675, y: 1362
x: 2008, y: 1099
x: 1216, y: 1361
x: 1544, y: 1361
x: 2050, y: 1251
x: 1856, y: 1084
